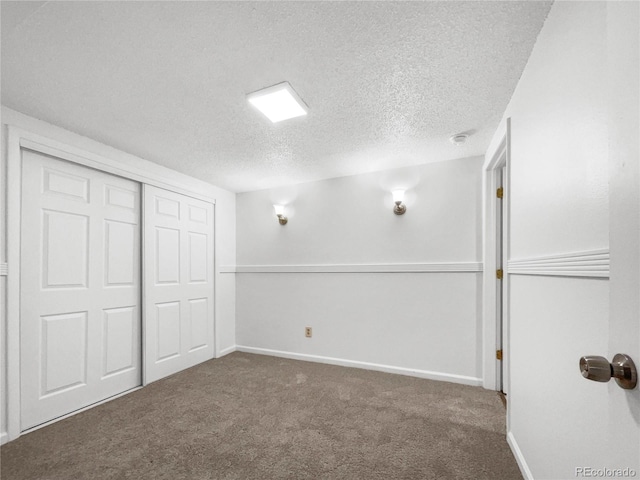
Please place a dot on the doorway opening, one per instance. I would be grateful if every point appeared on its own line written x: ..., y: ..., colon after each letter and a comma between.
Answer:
x: 495, y: 285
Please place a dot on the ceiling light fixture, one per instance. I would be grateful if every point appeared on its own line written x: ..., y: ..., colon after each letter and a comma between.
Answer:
x: 279, y: 102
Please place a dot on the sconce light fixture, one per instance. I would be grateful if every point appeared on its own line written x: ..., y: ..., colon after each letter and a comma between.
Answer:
x: 398, y: 197
x: 280, y: 214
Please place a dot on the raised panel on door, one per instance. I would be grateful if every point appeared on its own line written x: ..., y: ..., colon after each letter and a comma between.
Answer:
x: 167, y: 207
x: 120, y: 342
x: 65, y: 238
x: 121, y: 197
x: 168, y: 318
x: 198, y: 325
x: 63, y: 369
x: 80, y: 309
x: 198, y: 258
x: 167, y: 258
x: 58, y: 182
x: 121, y: 253
x: 178, y: 269
x: 198, y: 214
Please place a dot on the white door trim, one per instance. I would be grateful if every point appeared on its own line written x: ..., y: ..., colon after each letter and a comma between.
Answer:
x: 45, y: 145
x: 496, y: 159
x: 18, y: 138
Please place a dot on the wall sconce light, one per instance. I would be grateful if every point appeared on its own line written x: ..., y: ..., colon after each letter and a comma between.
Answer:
x: 280, y: 214
x: 398, y: 197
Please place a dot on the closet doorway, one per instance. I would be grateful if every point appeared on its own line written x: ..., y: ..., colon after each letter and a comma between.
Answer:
x: 80, y: 291
x: 115, y: 284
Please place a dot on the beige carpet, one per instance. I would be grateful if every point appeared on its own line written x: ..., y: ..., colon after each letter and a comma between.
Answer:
x: 255, y: 417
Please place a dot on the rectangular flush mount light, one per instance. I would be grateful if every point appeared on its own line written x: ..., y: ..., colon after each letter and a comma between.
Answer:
x: 278, y: 103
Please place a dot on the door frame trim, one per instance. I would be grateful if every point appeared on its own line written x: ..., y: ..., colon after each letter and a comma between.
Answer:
x: 17, y: 139
x: 495, y: 158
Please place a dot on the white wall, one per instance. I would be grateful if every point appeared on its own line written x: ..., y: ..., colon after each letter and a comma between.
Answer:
x: 559, y: 205
x: 224, y: 224
x: 421, y: 323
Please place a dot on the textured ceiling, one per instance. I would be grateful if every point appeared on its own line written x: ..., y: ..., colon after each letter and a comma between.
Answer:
x: 386, y: 83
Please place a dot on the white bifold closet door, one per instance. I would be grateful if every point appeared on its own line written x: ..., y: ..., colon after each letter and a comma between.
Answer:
x: 80, y: 287
x: 178, y: 273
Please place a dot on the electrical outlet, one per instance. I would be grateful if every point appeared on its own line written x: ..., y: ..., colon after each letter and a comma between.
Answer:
x: 307, y: 332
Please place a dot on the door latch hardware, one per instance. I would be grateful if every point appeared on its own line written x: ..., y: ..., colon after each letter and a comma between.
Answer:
x: 499, y: 354
x: 500, y: 192
x: 599, y: 369
x: 499, y: 274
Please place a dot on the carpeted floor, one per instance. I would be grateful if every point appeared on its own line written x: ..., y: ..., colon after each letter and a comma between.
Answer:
x: 255, y: 417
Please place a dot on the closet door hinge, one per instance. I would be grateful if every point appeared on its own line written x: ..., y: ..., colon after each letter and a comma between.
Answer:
x: 499, y: 354
x: 500, y: 192
x: 499, y: 274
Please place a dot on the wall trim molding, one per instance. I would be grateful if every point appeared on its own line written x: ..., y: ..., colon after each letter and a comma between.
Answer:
x: 4, y: 438
x: 226, y: 351
x: 4, y: 269
x: 411, y: 372
x: 464, y: 267
x: 517, y: 453
x: 589, y: 263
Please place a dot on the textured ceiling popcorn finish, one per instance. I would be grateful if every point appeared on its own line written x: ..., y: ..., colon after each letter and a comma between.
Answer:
x: 386, y: 83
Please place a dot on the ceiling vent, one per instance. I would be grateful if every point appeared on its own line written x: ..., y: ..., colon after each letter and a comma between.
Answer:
x: 458, y: 138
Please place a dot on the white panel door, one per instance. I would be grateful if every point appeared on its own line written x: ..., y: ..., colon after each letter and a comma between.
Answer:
x: 623, y: 436
x: 80, y: 287
x: 178, y: 279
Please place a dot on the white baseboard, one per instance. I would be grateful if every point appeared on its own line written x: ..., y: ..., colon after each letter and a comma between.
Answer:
x: 226, y: 351
x: 522, y: 463
x: 4, y: 438
x: 445, y: 377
